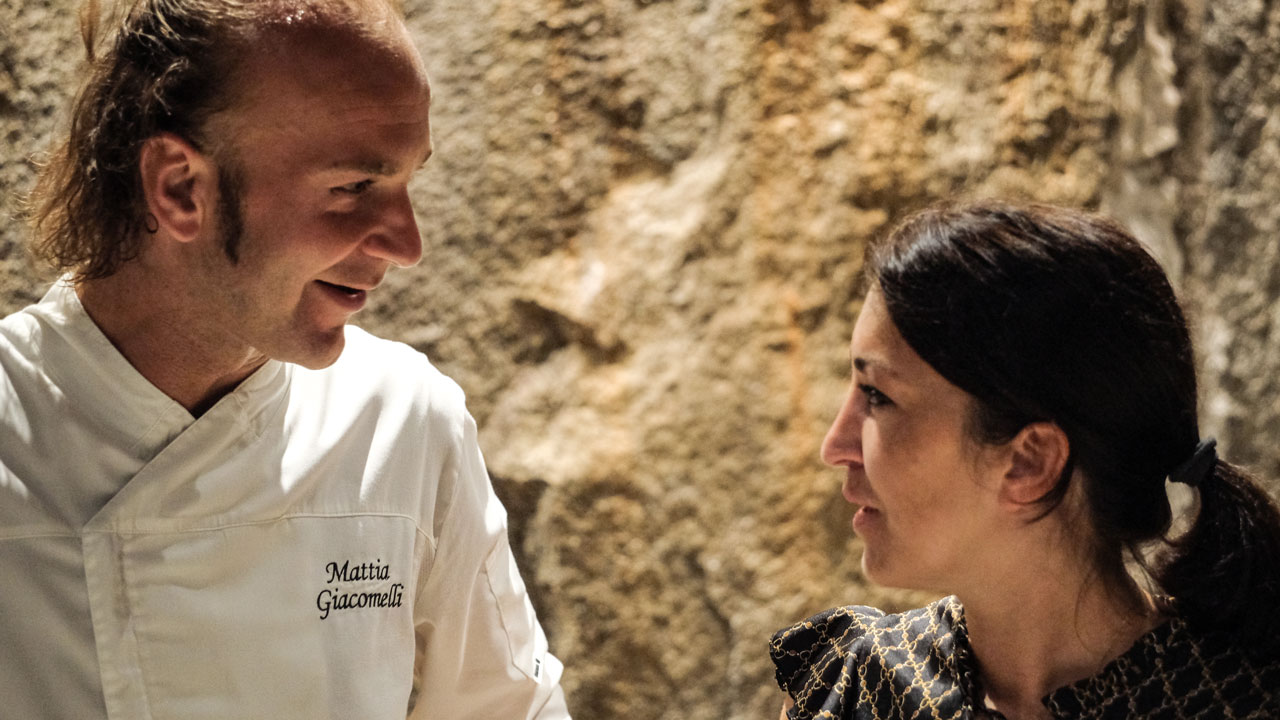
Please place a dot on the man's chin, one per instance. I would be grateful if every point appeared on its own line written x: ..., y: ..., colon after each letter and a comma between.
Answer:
x: 317, y: 353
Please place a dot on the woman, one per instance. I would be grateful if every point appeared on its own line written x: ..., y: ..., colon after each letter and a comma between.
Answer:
x: 1023, y: 391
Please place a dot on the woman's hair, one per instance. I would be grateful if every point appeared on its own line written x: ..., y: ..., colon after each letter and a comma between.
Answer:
x: 1049, y: 314
x: 164, y: 66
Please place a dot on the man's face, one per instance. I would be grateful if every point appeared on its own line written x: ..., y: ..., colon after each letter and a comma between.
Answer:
x: 319, y: 148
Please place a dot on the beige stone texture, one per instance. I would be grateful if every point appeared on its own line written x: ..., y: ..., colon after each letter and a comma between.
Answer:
x: 643, y: 235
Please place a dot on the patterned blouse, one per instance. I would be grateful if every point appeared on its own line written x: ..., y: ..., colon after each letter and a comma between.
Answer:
x: 856, y: 663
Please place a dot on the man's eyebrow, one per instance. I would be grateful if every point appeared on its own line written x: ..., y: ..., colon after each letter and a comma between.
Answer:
x: 368, y: 167
x: 374, y: 166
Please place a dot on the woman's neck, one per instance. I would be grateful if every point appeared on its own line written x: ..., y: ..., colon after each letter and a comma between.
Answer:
x: 1041, y: 623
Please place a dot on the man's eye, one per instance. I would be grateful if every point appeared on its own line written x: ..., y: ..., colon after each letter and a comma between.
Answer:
x: 354, y: 188
x: 875, y: 398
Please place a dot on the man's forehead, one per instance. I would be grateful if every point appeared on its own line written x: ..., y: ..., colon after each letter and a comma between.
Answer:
x: 286, y: 13
x: 312, y: 79
x: 323, y: 58
x: 307, y: 29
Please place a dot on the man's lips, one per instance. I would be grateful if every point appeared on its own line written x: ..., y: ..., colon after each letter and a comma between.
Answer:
x: 349, y: 297
x: 349, y: 287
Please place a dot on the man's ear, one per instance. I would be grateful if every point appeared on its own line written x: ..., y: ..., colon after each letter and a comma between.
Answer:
x: 1037, y: 456
x: 180, y: 185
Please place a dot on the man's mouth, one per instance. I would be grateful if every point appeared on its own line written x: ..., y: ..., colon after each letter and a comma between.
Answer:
x: 348, y: 298
x: 343, y: 288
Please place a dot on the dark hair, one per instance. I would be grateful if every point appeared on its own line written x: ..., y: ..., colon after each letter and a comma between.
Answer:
x: 1049, y: 314
x: 167, y: 66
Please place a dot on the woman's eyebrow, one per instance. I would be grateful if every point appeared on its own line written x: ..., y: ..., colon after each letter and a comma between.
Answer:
x: 861, y: 364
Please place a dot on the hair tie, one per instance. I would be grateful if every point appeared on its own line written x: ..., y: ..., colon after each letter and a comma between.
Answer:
x: 1199, y: 466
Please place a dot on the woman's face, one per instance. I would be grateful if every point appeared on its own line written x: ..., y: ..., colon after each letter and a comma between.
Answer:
x: 926, y: 490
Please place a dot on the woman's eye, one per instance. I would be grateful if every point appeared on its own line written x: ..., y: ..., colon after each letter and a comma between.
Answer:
x: 875, y: 398
x: 354, y: 188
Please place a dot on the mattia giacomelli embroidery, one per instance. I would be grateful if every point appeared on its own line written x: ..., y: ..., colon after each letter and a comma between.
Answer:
x: 335, y: 598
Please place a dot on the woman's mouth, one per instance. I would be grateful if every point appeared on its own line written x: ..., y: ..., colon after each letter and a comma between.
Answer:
x: 867, y: 513
x: 850, y: 494
x: 864, y: 518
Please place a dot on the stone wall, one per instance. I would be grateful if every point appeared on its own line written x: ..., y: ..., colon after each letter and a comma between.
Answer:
x: 643, y: 232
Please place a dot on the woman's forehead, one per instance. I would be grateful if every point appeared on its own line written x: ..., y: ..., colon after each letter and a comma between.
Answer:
x: 876, y: 342
x: 878, y: 348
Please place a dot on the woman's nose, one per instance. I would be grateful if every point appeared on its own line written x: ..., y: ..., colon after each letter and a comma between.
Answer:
x: 843, y: 443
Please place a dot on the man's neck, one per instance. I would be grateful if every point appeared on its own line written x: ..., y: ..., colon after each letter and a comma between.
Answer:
x: 1045, y: 621
x: 155, y: 332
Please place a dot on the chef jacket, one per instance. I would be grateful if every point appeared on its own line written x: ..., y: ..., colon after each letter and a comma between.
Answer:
x: 318, y: 544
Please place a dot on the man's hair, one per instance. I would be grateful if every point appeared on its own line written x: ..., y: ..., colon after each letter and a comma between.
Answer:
x: 161, y: 66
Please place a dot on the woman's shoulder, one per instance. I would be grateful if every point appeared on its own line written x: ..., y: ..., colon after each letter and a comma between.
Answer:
x: 857, y: 659
x: 858, y: 628
x: 1182, y: 671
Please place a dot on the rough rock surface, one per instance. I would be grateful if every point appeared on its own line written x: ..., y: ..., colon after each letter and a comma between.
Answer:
x: 643, y: 232
x: 1231, y: 225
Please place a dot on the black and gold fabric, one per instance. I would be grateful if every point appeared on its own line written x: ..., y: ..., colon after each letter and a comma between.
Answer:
x: 857, y: 663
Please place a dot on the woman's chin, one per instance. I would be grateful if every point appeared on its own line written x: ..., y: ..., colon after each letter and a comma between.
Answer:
x: 879, y: 569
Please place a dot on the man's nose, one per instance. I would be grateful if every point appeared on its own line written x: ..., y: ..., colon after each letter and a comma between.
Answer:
x: 843, y: 444
x: 396, y: 239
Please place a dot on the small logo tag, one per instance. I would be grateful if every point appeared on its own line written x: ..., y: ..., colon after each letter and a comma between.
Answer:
x: 537, y: 668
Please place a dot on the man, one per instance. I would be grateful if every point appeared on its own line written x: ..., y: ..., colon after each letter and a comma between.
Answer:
x: 216, y: 499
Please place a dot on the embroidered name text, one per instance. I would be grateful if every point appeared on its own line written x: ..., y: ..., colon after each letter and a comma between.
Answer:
x: 335, y: 599
x: 363, y: 571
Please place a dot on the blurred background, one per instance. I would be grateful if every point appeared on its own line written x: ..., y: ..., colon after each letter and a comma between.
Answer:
x: 643, y: 230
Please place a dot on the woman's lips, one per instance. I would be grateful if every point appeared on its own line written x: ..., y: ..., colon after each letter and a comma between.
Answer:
x: 850, y: 494
x: 866, y: 514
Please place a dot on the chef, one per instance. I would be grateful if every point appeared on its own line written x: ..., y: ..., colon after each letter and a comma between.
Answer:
x: 217, y: 499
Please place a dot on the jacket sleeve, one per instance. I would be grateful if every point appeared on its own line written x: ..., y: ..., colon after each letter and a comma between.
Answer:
x: 480, y: 650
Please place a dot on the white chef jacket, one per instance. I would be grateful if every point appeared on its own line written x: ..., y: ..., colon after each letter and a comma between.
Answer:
x: 289, y: 554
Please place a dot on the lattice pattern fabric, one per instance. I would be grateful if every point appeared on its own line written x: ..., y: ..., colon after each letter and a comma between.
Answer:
x: 857, y: 663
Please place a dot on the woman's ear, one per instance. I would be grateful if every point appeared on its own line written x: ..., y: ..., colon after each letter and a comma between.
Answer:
x: 1037, y: 456
x: 179, y: 184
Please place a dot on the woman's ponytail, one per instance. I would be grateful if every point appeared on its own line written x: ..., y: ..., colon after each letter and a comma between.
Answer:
x: 1224, y: 573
